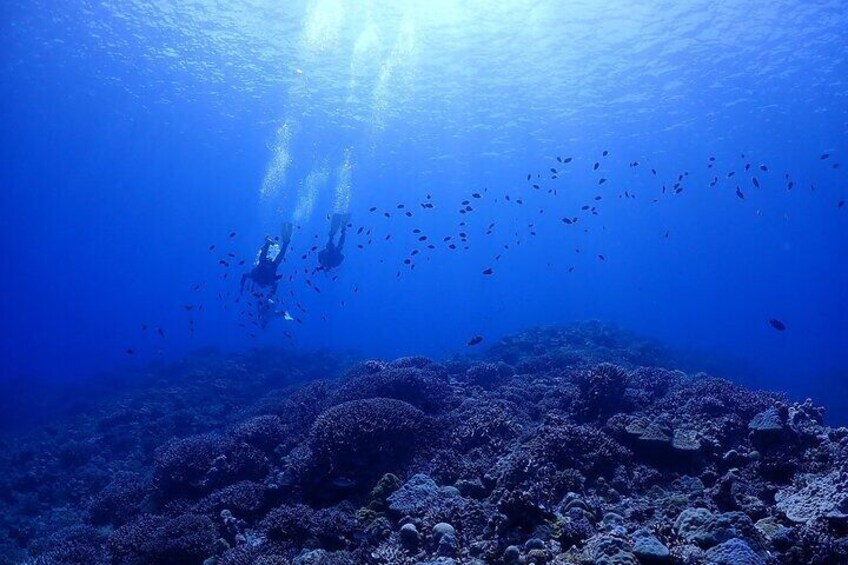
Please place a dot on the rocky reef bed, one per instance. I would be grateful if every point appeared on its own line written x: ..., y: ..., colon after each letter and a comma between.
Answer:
x: 557, y: 445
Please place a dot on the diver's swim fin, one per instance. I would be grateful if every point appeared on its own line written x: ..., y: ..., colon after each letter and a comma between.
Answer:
x: 286, y: 232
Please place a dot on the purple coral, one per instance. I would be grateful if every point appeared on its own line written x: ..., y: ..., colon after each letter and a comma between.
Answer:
x: 363, y: 439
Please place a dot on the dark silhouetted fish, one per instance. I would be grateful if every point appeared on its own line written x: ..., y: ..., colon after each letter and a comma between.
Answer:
x: 596, y: 166
x: 755, y: 182
x: 488, y: 271
x: 739, y: 193
x: 777, y: 324
x: 477, y: 339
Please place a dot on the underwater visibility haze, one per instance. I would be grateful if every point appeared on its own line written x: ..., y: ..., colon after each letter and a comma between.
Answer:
x: 424, y: 282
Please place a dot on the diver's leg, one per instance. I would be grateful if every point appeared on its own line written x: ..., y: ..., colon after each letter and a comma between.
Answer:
x: 335, y: 224
x: 285, y: 240
x: 340, y: 246
x: 244, y: 278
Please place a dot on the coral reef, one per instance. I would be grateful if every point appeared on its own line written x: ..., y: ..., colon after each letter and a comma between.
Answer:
x: 558, y: 445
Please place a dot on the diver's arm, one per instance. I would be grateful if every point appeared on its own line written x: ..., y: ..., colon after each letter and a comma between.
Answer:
x: 263, y: 253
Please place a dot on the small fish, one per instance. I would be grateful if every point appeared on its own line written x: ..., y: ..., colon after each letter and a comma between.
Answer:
x: 477, y: 195
x: 567, y: 221
x: 488, y: 271
x: 602, y: 181
x: 477, y: 339
x: 654, y: 172
x: 824, y: 156
x: 529, y: 176
x: 130, y: 351
x: 567, y: 159
x: 755, y: 182
x: 233, y: 234
x: 841, y: 204
x: 596, y: 166
x: 372, y: 209
x: 554, y: 171
x: 212, y: 247
x: 605, y: 153
x: 602, y: 258
x: 740, y: 194
x: 764, y: 168
x: 777, y: 324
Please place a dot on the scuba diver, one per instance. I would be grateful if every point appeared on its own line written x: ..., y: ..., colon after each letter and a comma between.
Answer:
x: 268, y: 309
x: 331, y: 256
x: 264, y: 271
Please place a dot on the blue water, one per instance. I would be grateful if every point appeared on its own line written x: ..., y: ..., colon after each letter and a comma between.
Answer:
x: 136, y: 135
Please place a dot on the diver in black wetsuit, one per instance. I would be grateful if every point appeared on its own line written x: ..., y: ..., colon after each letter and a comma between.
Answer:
x: 264, y: 271
x: 331, y: 256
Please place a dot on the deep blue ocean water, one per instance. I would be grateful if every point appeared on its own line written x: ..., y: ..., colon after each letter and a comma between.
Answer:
x: 136, y: 135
